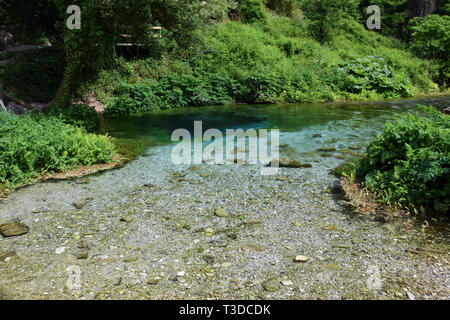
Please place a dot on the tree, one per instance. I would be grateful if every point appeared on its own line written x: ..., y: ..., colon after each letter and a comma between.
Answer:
x: 324, y: 15
x: 92, y: 47
x: 431, y: 39
x: 252, y: 11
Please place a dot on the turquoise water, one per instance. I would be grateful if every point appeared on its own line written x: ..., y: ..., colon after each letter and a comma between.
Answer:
x: 343, y: 129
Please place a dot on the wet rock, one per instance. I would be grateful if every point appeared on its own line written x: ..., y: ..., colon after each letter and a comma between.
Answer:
x: 220, y: 212
x: 232, y: 236
x: 252, y: 246
x: 153, y: 281
x: 287, y: 163
x: 13, y: 228
x: 7, y: 254
x: 271, y: 285
x: 252, y: 222
x: 81, y: 204
x: 118, y: 281
x: 208, y: 259
x: 127, y: 219
x: 84, y: 244
x: 82, y: 255
x: 301, y: 259
x: 287, y: 283
x: 60, y: 250
x: 317, y: 135
x: 84, y: 180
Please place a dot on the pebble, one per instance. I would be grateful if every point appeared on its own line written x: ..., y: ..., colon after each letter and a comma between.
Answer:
x: 271, y: 286
x: 220, y: 212
x: 301, y: 258
x: 127, y: 219
x: 13, y: 228
x: 60, y: 250
x: 287, y: 283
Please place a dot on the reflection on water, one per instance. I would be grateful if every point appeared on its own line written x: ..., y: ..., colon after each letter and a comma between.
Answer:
x: 314, y: 132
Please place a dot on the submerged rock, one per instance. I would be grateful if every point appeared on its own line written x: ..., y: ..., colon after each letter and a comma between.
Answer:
x: 271, y: 285
x: 289, y: 163
x: 221, y: 212
x: 14, y: 228
x: 301, y: 258
x: 80, y: 205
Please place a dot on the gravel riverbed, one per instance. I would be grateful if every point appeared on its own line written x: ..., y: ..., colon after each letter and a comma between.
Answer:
x: 151, y: 230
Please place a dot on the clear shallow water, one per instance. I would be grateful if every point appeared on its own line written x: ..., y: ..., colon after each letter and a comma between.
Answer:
x: 306, y: 128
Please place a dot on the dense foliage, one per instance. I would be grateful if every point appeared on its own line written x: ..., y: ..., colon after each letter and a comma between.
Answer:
x: 409, y: 162
x: 370, y: 76
x: 31, y: 146
x: 431, y: 39
x: 275, y: 62
x: 34, y: 75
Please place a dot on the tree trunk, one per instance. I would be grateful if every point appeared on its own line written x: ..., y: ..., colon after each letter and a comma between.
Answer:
x: 422, y: 8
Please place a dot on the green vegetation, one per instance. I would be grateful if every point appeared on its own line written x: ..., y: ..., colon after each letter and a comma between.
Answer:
x: 409, y: 163
x: 33, y: 145
x: 275, y: 62
x: 33, y: 75
x: 431, y: 39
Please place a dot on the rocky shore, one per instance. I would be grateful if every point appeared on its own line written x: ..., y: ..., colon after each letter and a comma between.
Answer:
x: 153, y: 230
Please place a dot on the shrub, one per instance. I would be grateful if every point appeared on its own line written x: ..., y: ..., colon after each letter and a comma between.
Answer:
x: 253, y: 11
x: 409, y: 162
x: 33, y: 145
x: 371, y: 74
x: 431, y: 39
x: 77, y: 114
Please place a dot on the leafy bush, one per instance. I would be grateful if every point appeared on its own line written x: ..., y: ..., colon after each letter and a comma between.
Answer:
x: 77, y: 114
x: 431, y: 39
x: 170, y: 91
x: 363, y: 75
x: 33, y: 145
x: 253, y: 11
x: 409, y: 162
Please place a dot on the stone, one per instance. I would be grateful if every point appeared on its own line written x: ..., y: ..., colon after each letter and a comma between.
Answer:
x: 271, y: 286
x: 82, y: 255
x: 181, y: 273
x: 7, y: 254
x: 154, y: 280
x: 84, y: 244
x: 301, y: 258
x: 283, y: 178
x: 221, y: 212
x: 287, y: 283
x: 14, y: 228
x: 60, y: 250
x: 127, y: 219
x: 84, y: 180
x: 327, y: 149
x: 208, y: 259
x: 252, y: 246
x: 80, y: 205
